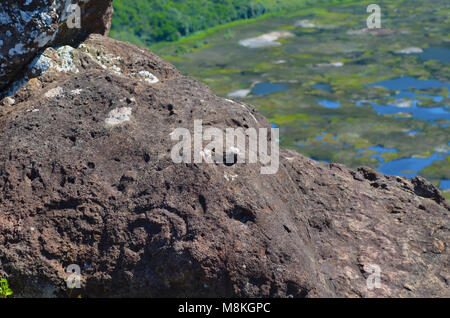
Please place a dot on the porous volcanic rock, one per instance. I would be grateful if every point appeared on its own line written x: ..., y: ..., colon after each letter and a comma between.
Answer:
x: 86, y: 178
x: 26, y: 27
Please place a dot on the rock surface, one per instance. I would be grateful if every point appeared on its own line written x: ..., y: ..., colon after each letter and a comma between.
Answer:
x: 26, y: 27
x: 87, y: 178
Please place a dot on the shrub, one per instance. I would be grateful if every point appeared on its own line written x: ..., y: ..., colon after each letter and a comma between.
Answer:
x: 4, y: 288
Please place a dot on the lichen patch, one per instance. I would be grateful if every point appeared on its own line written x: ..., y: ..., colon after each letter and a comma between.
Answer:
x: 148, y: 77
x: 54, y: 92
x: 118, y: 116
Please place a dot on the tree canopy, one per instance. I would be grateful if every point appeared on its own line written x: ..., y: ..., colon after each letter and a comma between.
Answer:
x: 145, y: 22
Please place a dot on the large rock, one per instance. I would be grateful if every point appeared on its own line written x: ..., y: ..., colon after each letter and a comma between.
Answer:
x: 28, y: 26
x: 77, y: 189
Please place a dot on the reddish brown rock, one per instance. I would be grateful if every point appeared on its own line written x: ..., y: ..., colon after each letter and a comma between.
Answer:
x: 77, y: 190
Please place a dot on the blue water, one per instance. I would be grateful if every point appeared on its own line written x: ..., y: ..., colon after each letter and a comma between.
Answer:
x: 269, y: 88
x: 435, y: 53
x: 380, y: 150
x: 404, y: 88
x: 329, y: 104
x: 413, y: 132
x: 412, y: 95
x: 301, y: 145
x: 429, y: 114
x: 404, y: 84
x: 408, y: 167
x: 323, y: 87
x: 445, y: 184
x: 437, y: 99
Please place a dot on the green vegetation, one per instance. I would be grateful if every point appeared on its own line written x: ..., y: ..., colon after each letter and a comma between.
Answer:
x: 328, y: 57
x: 4, y: 288
x: 145, y: 22
x: 303, y: 62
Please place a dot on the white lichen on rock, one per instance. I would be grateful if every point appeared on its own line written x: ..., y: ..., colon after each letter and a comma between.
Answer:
x: 118, y: 116
x: 9, y: 101
x: 41, y: 64
x: 105, y: 60
x: 229, y: 177
x: 63, y: 62
x: 54, y: 92
x: 66, y: 53
x: 149, y: 77
x: 19, y: 49
x: 76, y: 91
